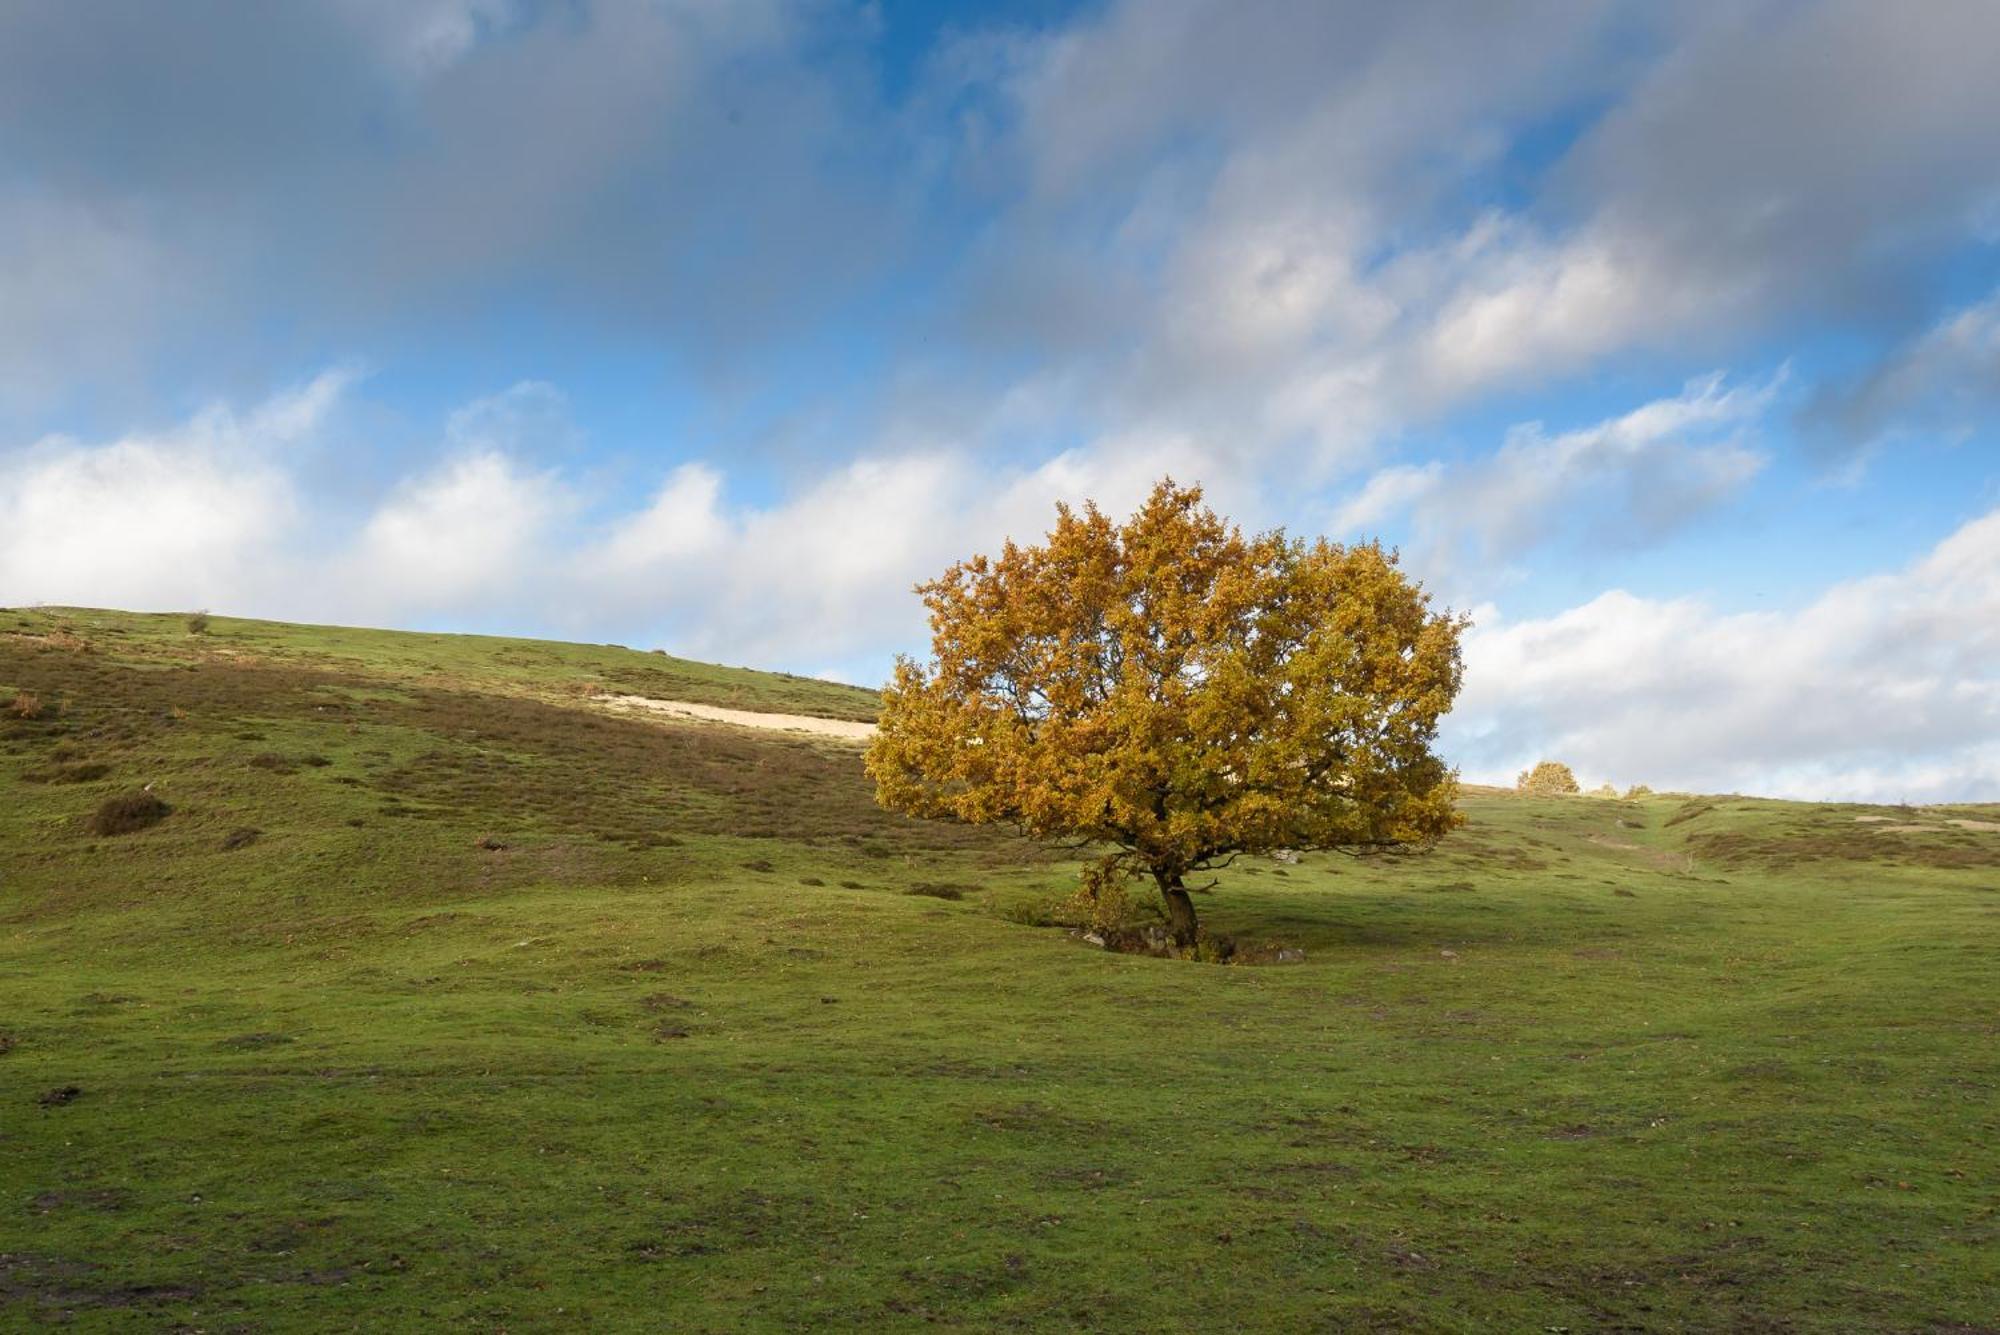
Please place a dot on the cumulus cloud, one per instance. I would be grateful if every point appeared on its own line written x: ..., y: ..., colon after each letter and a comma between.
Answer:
x: 460, y: 539
x: 178, y: 518
x: 499, y: 530
x: 1884, y: 688
x: 1628, y: 480
x: 824, y: 575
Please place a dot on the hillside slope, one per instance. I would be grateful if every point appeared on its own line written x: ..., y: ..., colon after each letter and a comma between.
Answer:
x: 442, y: 995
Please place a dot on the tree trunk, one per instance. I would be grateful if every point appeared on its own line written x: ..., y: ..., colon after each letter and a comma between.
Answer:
x: 1180, y: 913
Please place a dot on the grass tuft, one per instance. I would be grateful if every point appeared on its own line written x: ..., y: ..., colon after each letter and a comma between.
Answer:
x: 127, y: 813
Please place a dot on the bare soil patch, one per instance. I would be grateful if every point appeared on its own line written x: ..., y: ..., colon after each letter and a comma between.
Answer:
x: 845, y: 729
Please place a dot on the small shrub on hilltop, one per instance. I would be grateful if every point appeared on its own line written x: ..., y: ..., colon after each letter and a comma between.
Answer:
x: 1604, y: 790
x: 197, y: 623
x: 128, y: 812
x: 1548, y: 778
x: 1638, y: 790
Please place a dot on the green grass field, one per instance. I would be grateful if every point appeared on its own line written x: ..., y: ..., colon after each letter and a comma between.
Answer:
x: 440, y: 997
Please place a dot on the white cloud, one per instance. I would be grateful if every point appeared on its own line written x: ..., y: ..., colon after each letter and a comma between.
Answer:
x: 528, y: 418
x: 1884, y: 688
x: 181, y: 518
x: 464, y: 536
x: 135, y: 524
x: 1513, y: 306
x: 1390, y: 492
x: 1630, y: 479
x: 683, y: 521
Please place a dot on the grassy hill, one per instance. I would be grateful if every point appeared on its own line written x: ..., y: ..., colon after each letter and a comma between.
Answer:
x: 441, y: 996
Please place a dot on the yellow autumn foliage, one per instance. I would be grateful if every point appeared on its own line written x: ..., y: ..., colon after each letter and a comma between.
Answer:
x: 1549, y: 778
x: 1179, y: 693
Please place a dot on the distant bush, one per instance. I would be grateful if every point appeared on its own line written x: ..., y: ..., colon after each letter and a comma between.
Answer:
x: 1548, y: 778
x: 1604, y: 790
x: 26, y: 705
x: 938, y: 890
x: 1638, y: 790
x: 1100, y: 901
x: 1040, y: 911
x: 197, y: 623
x: 62, y: 637
x: 128, y: 812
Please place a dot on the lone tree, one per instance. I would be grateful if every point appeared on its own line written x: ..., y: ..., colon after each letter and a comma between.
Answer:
x: 1548, y: 778
x: 1179, y: 693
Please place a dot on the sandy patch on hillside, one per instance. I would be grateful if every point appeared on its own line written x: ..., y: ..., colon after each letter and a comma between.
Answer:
x: 847, y: 729
x: 1891, y: 824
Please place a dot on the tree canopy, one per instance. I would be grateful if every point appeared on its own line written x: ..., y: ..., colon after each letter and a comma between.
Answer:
x: 1178, y: 694
x: 1549, y: 778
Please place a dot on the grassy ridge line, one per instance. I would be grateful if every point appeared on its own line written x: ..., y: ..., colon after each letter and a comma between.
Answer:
x: 546, y: 668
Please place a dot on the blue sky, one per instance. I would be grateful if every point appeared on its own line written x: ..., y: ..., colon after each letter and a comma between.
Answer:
x: 1665, y: 339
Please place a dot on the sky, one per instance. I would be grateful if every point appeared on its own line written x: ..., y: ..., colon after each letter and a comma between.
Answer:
x: 1663, y: 340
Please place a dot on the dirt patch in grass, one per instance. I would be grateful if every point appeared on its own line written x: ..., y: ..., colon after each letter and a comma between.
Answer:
x: 242, y: 837
x: 89, y: 772
x: 59, y: 1286
x: 1033, y: 1119
x: 940, y: 890
x: 101, y: 1199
